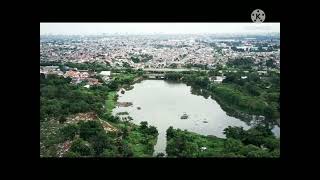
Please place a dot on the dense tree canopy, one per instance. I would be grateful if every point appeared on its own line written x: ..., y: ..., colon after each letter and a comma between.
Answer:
x: 90, y: 129
x: 59, y: 98
x: 81, y: 147
x: 69, y: 131
x: 255, y: 142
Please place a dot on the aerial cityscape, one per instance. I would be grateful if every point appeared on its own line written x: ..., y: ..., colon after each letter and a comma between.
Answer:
x: 162, y: 90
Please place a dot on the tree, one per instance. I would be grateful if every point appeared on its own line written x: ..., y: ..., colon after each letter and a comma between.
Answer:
x: 113, y: 152
x: 135, y: 59
x: 232, y: 145
x: 235, y: 133
x: 113, y: 85
x: 275, y: 153
x: 69, y: 131
x: 231, y: 78
x: 100, y: 142
x: 258, y: 153
x: 213, y: 73
x: 241, y: 62
x: 272, y: 143
x: 126, y: 65
x: 202, y: 82
x: 253, y: 77
x: 144, y: 125
x: 247, y: 149
x: 152, y: 131
x: 264, y: 129
x: 173, y: 65
x: 252, y: 89
x: 90, y: 129
x: 125, y: 150
x: 125, y: 132
x: 170, y: 132
x: 173, y: 76
x: 81, y: 147
x: 181, y: 145
x: 62, y: 118
x: 257, y: 135
x: 71, y: 154
x: 140, y: 72
x: 270, y: 63
x: 269, y: 112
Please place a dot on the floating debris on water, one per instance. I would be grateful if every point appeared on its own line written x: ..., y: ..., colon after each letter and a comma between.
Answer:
x: 124, y: 104
x: 184, y: 116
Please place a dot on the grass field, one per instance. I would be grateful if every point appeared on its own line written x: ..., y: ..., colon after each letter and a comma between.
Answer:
x: 111, y: 101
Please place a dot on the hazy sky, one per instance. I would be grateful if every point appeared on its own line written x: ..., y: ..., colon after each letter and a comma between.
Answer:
x: 138, y: 28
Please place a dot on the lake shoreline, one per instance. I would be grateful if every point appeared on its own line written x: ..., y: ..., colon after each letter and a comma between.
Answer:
x: 174, y: 98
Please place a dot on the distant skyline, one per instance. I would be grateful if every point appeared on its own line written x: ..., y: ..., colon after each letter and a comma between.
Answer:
x: 154, y: 28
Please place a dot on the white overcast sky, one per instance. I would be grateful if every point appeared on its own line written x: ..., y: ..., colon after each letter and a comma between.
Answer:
x: 140, y: 28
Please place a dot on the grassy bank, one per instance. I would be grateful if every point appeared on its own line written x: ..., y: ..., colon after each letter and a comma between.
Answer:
x: 111, y: 101
x: 239, y: 143
x: 140, y: 142
x: 255, y: 95
x: 238, y: 100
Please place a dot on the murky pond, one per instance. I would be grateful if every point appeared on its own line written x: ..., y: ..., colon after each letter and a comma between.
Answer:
x: 162, y: 103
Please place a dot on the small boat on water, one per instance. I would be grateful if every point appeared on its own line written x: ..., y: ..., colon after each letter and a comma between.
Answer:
x: 184, y: 116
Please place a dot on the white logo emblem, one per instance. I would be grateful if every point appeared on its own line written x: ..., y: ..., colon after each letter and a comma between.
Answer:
x: 258, y: 16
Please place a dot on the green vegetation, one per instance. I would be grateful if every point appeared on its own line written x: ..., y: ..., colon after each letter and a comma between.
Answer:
x: 81, y: 147
x: 173, y: 76
x: 124, y: 78
x: 89, y: 139
x: 238, y: 100
x: 141, y: 58
x: 255, y: 142
x: 111, y: 101
x: 50, y: 137
x: 257, y: 94
x: 254, y: 94
x: 68, y: 132
x: 198, y: 66
x: 140, y: 140
x: 59, y: 99
x: 80, y: 66
x: 88, y: 66
x: 243, y: 63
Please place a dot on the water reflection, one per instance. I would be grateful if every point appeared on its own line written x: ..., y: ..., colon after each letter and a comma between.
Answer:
x: 163, y: 103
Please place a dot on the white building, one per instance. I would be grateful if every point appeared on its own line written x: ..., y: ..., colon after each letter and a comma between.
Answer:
x: 219, y: 79
x: 105, y: 73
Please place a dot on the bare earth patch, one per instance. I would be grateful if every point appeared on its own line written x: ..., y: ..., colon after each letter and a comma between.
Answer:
x: 90, y: 116
x: 108, y: 127
x: 63, y: 148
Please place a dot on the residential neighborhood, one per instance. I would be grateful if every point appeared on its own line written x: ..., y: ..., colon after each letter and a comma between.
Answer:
x: 77, y: 76
x: 160, y: 51
x: 194, y: 93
